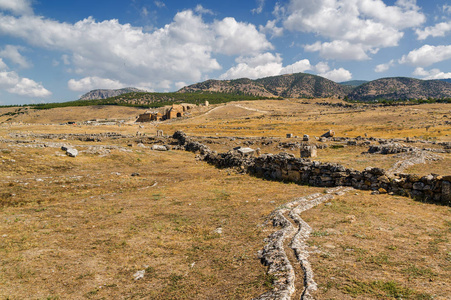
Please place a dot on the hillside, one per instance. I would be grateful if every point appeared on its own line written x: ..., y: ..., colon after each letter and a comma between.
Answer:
x: 237, y: 86
x: 299, y: 85
x: 353, y: 83
x: 401, y: 88
x: 104, y: 93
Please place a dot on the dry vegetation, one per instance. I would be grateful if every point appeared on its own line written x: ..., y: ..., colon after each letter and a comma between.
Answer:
x: 74, y: 228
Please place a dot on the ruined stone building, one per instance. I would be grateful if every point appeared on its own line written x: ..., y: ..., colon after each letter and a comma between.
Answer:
x: 175, y: 111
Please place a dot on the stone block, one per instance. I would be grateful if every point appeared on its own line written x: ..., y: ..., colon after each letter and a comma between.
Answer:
x: 294, y: 176
x: 446, y: 193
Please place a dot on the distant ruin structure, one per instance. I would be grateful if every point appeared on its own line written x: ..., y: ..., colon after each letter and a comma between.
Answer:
x: 175, y: 111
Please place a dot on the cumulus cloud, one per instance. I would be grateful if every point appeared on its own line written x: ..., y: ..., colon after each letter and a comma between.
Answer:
x: 263, y: 65
x: 440, y: 29
x: 237, y: 38
x: 12, y: 53
x: 427, y: 55
x: 271, y: 29
x: 367, y: 22
x: 13, y: 83
x: 384, y: 67
x: 431, y: 74
x: 341, y: 50
x: 18, y: 7
x: 268, y: 64
x: 180, y: 51
x: 90, y: 83
x: 299, y: 66
x: 337, y: 75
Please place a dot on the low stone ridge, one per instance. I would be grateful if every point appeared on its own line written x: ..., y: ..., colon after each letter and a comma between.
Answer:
x: 285, y: 167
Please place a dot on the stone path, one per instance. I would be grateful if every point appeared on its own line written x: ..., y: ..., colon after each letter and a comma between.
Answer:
x: 292, y: 237
x: 412, y: 158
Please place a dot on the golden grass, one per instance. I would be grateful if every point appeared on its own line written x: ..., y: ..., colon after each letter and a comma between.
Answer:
x: 74, y: 228
x: 82, y: 227
x: 374, y: 246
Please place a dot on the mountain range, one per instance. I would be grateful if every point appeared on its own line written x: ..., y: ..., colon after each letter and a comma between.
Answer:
x: 303, y: 85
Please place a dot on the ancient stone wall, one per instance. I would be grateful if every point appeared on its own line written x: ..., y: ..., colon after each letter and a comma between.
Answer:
x: 286, y: 167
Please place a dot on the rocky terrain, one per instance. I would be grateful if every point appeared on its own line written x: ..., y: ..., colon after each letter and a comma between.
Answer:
x: 299, y: 85
x: 118, y: 209
x: 401, y: 88
x: 104, y: 93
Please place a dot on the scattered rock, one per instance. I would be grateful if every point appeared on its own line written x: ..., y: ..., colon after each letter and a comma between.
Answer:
x: 328, y: 134
x: 139, y: 274
x: 72, y: 152
x: 159, y: 148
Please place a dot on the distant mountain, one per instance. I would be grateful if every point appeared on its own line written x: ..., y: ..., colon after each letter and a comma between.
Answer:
x: 446, y: 80
x: 401, y: 88
x: 237, y: 86
x: 353, y: 83
x: 104, y: 94
x: 299, y: 85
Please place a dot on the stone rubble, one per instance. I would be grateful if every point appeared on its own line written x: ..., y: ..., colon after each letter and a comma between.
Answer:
x: 274, y: 254
x: 285, y: 167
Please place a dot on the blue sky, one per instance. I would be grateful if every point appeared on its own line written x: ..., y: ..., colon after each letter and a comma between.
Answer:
x: 53, y: 50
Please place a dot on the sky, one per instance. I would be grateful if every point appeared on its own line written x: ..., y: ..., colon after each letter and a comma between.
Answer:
x: 54, y: 50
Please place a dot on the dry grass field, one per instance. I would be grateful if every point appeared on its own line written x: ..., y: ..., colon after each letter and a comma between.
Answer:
x: 85, y: 227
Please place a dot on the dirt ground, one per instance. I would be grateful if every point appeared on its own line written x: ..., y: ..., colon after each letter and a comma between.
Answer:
x: 88, y: 226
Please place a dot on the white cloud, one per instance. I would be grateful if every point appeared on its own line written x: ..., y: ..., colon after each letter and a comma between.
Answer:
x: 299, y: 66
x: 384, y: 67
x: 341, y: 50
x: 180, y: 51
x: 3, y: 66
x: 337, y: 75
x: 18, y: 7
x: 29, y: 88
x: 201, y: 10
x: 91, y: 83
x: 366, y: 22
x: 263, y: 65
x: 271, y: 29
x: 447, y: 9
x: 427, y: 55
x: 268, y: 64
x: 159, y: 4
x: 238, y: 38
x: 431, y: 74
x: 13, y: 83
x: 259, y: 9
x: 180, y: 84
x: 12, y: 53
x: 440, y: 29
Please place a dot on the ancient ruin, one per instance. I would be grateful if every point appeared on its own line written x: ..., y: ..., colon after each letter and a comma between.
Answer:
x: 175, y: 111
